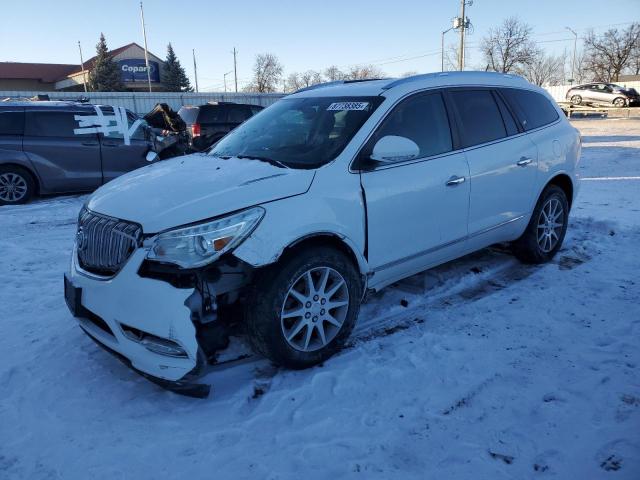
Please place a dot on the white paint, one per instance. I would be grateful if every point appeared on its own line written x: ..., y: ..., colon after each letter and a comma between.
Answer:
x: 101, y: 123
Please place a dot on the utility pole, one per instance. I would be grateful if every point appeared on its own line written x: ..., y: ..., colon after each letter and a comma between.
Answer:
x: 462, y: 28
x: 84, y: 75
x: 195, y: 68
x: 235, y: 68
x: 146, y: 52
x: 573, y: 61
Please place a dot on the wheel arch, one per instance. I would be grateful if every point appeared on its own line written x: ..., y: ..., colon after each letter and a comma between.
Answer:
x: 563, y: 181
x: 331, y: 239
x: 29, y: 170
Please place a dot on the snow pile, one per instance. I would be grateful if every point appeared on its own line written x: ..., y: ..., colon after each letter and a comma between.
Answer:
x: 482, y: 368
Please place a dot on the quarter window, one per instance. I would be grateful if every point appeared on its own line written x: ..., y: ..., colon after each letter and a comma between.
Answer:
x: 11, y: 123
x: 479, y: 115
x: 533, y: 109
x: 423, y: 119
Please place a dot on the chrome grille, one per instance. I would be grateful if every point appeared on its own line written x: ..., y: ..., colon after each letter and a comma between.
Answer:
x: 105, y: 243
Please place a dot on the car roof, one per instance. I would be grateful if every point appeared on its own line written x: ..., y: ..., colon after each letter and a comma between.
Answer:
x: 40, y: 104
x: 416, y: 82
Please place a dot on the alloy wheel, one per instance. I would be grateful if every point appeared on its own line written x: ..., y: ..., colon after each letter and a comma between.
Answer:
x: 550, y: 224
x: 13, y: 187
x: 619, y: 102
x: 314, y: 309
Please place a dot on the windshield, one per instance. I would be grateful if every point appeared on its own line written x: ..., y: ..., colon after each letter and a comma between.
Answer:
x: 299, y: 132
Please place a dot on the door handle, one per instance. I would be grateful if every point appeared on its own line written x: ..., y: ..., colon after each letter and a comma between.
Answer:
x: 453, y: 181
x: 524, y: 161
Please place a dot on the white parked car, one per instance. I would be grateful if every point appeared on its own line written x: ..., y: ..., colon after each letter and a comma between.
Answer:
x: 333, y: 191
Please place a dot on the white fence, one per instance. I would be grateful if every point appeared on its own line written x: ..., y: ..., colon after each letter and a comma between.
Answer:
x: 558, y: 92
x: 143, y: 102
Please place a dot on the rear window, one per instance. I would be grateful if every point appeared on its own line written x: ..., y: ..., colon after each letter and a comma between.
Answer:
x: 11, y: 123
x: 189, y: 114
x: 480, y: 116
x: 533, y: 109
x: 51, y: 123
x: 238, y: 114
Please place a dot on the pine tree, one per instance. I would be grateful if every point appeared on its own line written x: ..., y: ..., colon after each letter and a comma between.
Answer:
x: 175, y: 78
x: 105, y: 75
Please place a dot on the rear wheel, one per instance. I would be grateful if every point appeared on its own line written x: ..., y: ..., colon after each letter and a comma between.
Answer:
x: 16, y: 185
x: 301, y: 311
x: 576, y: 100
x: 546, y: 230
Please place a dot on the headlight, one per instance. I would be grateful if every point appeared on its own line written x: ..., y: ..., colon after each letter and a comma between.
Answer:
x: 197, y: 245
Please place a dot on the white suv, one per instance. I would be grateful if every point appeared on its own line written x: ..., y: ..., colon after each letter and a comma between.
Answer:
x: 333, y: 191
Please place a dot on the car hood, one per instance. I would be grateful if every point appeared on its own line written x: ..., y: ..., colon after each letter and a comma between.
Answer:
x: 196, y: 187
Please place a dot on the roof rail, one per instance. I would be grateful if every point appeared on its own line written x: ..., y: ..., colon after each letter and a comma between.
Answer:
x: 319, y: 85
x: 425, y: 76
x: 337, y: 82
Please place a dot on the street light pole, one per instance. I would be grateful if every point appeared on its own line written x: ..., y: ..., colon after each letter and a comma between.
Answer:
x: 195, y: 68
x: 146, y: 51
x: 462, y: 27
x: 84, y: 75
x: 573, y: 61
x: 442, y: 50
x: 235, y: 68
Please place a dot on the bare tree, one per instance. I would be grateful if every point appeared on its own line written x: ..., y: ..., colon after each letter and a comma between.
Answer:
x: 267, y: 74
x: 409, y: 74
x: 509, y: 47
x: 364, y: 72
x: 311, y: 77
x: 609, y: 53
x: 333, y: 73
x: 293, y: 82
x: 545, y: 69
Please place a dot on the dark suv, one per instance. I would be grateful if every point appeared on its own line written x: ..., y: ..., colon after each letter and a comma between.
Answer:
x: 41, y: 154
x: 208, y: 123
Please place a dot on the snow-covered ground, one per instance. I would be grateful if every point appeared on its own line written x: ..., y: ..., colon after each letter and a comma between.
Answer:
x: 488, y: 369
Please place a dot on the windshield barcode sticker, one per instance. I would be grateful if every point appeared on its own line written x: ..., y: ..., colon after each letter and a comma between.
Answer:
x: 348, y: 106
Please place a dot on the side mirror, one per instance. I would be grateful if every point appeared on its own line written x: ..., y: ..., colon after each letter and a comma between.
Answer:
x: 151, y: 156
x: 392, y: 149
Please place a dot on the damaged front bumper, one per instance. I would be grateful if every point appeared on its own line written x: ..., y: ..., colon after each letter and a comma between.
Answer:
x: 143, y: 321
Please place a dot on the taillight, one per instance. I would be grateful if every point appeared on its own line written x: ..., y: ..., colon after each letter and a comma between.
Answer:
x: 195, y: 130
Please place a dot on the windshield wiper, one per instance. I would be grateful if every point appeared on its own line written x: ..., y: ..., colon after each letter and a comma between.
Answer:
x: 263, y: 159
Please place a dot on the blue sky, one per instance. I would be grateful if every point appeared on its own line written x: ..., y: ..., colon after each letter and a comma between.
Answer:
x: 304, y: 35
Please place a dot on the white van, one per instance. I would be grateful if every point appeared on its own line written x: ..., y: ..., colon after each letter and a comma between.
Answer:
x: 284, y: 225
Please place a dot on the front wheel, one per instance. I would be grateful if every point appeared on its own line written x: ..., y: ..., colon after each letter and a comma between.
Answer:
x: 302, y: 310
x: 619, y: 102
x: 546, y: 230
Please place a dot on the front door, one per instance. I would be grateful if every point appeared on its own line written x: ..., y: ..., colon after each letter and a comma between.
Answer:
x: 119, y: 158
x: 415, y: 208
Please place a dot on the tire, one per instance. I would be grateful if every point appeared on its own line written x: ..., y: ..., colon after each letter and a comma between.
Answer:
x: 273, y: 313
x: 541, y: 240
x: 619, y: 102
x: 16, y: 185
x: 576, y: 99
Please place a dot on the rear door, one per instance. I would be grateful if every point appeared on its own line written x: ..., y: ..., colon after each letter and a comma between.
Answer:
x: 502, y: 160
x: 414, y: 209
x: 118, y: 158
x: 65, y: 161
x: 11, y: 132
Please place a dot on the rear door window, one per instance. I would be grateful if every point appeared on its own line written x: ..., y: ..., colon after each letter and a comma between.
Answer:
x: 533, y: 109
x: 479, y: 115
x: 52, y: 123
x: 11, y: 123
